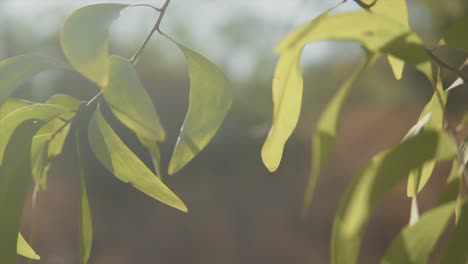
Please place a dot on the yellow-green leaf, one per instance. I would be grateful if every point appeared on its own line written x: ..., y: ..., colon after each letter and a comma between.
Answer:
x: 84, y: 39
x: 456, y: 36
x: 15, y: 177
x: 383, y: 173
x: 327, y: 130
x: 415, y: 243
x: 209, y: 102
x: 116, y: 157
x: 15, y: 71
x: 25, y: 250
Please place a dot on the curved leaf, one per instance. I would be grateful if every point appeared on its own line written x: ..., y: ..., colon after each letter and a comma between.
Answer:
x: 415, y: 243
x: 456, y: 36
x: 383, y: 173
x: 15, y: 177
x: 327, y: 130
x: 116, y: 157
x: 455, y: 251
x: 25, y: 250
x: 15, y: 71
x: 209, y: 102
x: 44, y: 112
x: 84, y: 40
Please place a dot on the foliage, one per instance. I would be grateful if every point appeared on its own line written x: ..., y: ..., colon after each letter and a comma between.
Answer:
x: 382, y: 28
x: 33, y: 134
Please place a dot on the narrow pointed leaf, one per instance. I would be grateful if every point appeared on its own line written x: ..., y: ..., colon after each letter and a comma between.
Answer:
x: 17, y: 70
x: 129, y: 101
x: 455, y: 251
x: 44, y: 112
x: 209, y: 102
x: 415, y: 243
x: 25, y: 250
x: 287, y: 101
x: 327, y: 130
x: 456, y: 36
x: 15, y: 177
x: 383, y: 173
x: 84, y: 39
x: 116, y: 157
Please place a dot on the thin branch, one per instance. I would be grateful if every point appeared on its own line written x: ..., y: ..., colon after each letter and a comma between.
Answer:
x: 447, y: 66
x: 156, y: 28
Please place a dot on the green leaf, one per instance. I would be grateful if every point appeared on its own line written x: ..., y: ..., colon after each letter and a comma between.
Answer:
x: 25, y: 250
x: 116, y: 157
x: 419, y: 177
x: 45, y: 112
x: 11, y: 105
x: 130, y: 102
x: 455, y: 251
x: 456, y: 36
x: 287, y: 100
x: 327, y: 130
x: 209, y: 102
x: 84, y: 40
x: 17, y: 70
x: 383, y: 173
x: 415, y: 243
x: 15, y: 177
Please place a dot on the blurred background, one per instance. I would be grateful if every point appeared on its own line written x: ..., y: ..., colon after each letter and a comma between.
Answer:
x: 239, y: 212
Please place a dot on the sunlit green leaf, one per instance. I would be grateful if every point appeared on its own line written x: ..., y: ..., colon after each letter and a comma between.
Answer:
x: 419, y: 177
x: 327, y: 130
x: 84, y: 40
x: 116, y: 157
x: 456, y: 36
x: 17, y: 70
x: 130, y: 102
x: 455, y: 251
x: 287, y: 101
x: 15, y: 177
x: 415, y: 243
x: 383, y: 173
x: 25, y: 250
x: 209, y: 102
x: 45, y: 112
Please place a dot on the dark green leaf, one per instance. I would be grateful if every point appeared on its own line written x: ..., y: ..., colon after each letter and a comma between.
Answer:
x: 209, y: 102
x: 116, y: 157
x: 15, y: 177
x: 455, y: 251
x: 383, y: 173
x: 456, y: 36
x: 415, y: 243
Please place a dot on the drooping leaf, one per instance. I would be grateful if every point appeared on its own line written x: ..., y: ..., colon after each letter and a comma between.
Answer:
x: 17, y: 70
x: 287, y: 101
x: 456, y: 36
x: 455, y: 251
x: 25, y: 250
x: 458, y: 82
x: 415, y: 243
x: 84, y: 40
x: 116, y: 157
x: 15, y: 177
x: 44, y: 112
x: 383, y: 173
x: 419, y: 177
x: 327, y: 130
x: 209, y: 102
x: 130, y: 102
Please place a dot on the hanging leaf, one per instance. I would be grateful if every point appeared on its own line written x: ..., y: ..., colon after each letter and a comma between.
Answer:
x: 209, y: 102
x: 455, y: 251
x: 383, y: 173
x: 84, y: 39
x: 25, y: 250
x: 17, y: 70
x: 456, y: 36
x: 15, y: 177
x: 327, y: 130
x: 44, y: 112
x: 415, y: 243
x: 116, y: 157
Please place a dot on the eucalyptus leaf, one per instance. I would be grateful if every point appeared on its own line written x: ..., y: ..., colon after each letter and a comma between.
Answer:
x: 15, y: 177
x: 455, y: 251
x: 383, y: 174
x: 116, y: 157
x: 209, y: 102
x: 456, y: 36
x: 415, y: 243
x: 25, y: 250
